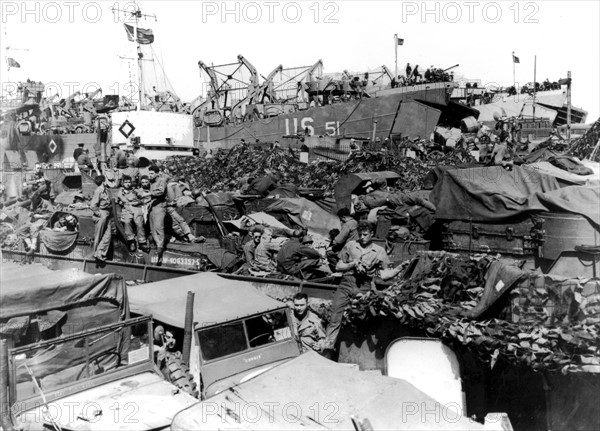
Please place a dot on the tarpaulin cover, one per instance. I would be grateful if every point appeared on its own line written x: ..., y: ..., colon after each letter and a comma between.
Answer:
x: 580, y: 200
x: 216, y: 299
x: 26, y: 290
x: 488, y: 193
x: 328, y: 204
x: 348, y: 184
x: 216, y: 199
x: 561, y: 161
x: 307, y: 214
x: 498, y: 279
x: 565, y: 176
x: 245, y: 222
x: 58, y: 240
x: 211, y: 249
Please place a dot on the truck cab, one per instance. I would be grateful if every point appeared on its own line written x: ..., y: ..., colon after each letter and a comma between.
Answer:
x: 237, y: 332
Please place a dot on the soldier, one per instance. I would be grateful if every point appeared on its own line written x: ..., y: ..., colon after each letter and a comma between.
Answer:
x: 77, y: 152
x: 132, y: 214
x: 408, y: 71
x: 83, y: 161
x: 118, y: 159
x: 102, y: 211
x: 158, y: 189
x: 132, y: 171
x: 361, y: 261
x: 307, y: 325
x: 175, y: 189
x: 417, y: 74
x: 298, y: 258
x: 250, y: 246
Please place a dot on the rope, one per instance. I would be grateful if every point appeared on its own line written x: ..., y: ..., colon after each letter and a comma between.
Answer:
x: 46, y: 409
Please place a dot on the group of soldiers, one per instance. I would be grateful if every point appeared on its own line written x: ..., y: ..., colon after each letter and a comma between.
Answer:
x: 414, y: 76
x: 359, y: 263
x: 144, y: 200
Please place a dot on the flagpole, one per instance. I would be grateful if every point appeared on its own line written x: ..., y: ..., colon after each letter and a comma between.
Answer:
x: 396, y: 49
x: 139, y: 57
x: 569, y: 106
x: 514, y: 79
x: 534, y: 83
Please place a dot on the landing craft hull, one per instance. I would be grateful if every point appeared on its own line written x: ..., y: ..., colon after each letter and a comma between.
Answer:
x: 47, y: 148
x: 355, y: 118
x: 549, y: 104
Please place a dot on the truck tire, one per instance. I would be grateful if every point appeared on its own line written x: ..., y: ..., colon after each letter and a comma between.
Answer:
x: 179, y: 374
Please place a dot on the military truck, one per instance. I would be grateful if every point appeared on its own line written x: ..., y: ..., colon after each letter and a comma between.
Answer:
x: 237, y: 332
x: 66, y: 364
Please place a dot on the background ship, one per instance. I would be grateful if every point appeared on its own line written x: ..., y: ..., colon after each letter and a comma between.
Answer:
x: 549, y: 102
x: 302, y: 101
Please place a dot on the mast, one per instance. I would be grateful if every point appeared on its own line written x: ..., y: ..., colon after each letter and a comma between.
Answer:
x: 569, y: 107
x: 514, y: 79
x: 534, y: 83
x: 396, y: 51
x: 137, y: 14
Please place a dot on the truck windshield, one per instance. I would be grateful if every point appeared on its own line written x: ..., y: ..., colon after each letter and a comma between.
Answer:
x: 229, y: 338
x: 70, y: 359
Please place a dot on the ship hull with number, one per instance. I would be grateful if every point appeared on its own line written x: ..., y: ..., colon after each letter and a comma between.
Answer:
x: 389, y: 111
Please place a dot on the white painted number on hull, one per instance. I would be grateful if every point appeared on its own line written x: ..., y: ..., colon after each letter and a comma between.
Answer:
x: 331, y: 127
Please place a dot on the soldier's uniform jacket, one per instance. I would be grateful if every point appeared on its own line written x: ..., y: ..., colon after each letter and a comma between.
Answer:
x: 309, y: 330
x: 128, y: 199
x: 100, y: 199
x: 158, y: 189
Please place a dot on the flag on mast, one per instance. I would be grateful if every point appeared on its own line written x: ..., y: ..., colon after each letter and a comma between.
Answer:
x: 515, y: 59
x: 129, y: 31
x: 144, y: 35
x: 11, y: 62
x: 400, y: 41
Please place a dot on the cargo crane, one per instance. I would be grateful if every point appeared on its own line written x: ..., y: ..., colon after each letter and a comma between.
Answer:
x: 257, y: 93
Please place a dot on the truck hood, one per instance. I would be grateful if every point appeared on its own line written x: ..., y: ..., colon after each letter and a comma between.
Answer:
x: 141, y: 402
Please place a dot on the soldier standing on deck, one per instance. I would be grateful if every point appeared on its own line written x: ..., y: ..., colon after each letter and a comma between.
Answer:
x: 102, y: 211
x: 158, y: 189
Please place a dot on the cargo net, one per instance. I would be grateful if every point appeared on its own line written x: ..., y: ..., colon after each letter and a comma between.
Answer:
x: 587, y: 146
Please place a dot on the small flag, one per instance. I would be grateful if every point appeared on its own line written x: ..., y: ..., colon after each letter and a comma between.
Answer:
x: 12, y: 62
x: 129, y: 31
x: 144, y: 36
x: 515, y: 59
x: 400, y: 41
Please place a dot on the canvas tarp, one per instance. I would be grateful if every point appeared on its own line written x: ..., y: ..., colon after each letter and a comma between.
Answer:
x: 580, y: 200
x: 488, y: 193
x: 565, y: 176
x: 216, y: 300
x: 27, y: 291
x: 349, y: 184
x: 565, y: 163
x: 307, y: 214
x: 58, y: 240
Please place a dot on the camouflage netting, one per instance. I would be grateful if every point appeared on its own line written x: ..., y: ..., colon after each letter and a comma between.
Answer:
x: 216, y: 174
x: 437, y: 299
x: 584, y: 146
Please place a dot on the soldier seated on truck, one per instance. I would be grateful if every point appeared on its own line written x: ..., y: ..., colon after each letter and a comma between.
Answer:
x: 250, y: 246
x: 298, y: 258
x: 502, y: 155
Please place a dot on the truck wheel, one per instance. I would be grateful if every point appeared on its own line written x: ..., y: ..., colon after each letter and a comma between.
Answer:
x: 179, y: 374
